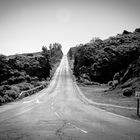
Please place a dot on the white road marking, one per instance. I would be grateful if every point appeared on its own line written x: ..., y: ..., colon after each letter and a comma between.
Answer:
x: 37, y: 101
x: 81, y: 129
x: 78, y: 128
x: 57, y: 114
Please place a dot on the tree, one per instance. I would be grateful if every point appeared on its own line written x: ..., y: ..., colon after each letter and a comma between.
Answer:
x: 95, y: 40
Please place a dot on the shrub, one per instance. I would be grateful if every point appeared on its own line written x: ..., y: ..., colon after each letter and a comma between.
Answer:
x: 126, y: 32
x: 35, y: 79
x: 15, y: 80
x: 128, y: 92
x: 7, y: 98
x: 16, y: 73
x: 28, y: 78
x: 2, y: 100
x: 4, y: 83
x: 3, y: 89
x: 20, y: 79
x: 12, y: 94
x: 10, y: 81
x: 15, y: 88
x: 25, y: 86
x: 36, y: 83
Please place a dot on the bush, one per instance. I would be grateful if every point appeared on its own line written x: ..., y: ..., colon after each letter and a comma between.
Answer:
x: 36, y: 84
x: 35, y: 79
x: 15, y: 80
x: 3, y: 89
x: 16, y: 73
x: 28, y: 78
x: 12, y: 94
x: 2, y: 100
x: 24, y: 86
x: 15, y: 88
x: 7, y: 98
x: 4, y: 83
x: 10, y: 81
x: 128, y: 92
x: 20, y: 79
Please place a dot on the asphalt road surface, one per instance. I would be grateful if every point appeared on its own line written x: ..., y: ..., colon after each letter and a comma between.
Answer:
x: 60, y: 112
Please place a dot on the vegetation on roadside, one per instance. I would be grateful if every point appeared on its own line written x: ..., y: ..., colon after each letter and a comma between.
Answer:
x: 114, y: 61
x: 25, y: 71
x: 111, y: 101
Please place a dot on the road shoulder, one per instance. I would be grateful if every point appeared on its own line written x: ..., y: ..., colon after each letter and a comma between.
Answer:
x: 110, y: 101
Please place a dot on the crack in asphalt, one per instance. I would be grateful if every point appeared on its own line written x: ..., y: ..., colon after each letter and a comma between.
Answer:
x: 62, y: 135
x: 60, y: 131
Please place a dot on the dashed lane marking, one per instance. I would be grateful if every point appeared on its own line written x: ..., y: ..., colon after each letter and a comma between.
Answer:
x: 81, y: 129
x: 57, y: 114
x: 78, y: 128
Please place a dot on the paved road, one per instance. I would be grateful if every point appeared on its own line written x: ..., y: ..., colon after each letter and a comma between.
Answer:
x: 59, y: 112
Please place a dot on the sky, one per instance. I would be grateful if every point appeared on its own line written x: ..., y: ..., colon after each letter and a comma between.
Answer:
x: 27, y: 25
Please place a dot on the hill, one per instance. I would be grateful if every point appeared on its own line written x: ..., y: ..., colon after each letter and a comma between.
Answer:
x: 22, y: 72
x: 114, y: 61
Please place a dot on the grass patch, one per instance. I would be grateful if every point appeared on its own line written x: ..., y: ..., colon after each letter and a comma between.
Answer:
x: 100, y: 94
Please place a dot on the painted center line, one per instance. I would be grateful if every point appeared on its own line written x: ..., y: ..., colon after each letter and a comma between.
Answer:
x: 81, y: 129
x: 78, y: 128
x: 57, y: 114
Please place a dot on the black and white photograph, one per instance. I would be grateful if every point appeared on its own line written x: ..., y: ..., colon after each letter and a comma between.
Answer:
x: 69, y: 69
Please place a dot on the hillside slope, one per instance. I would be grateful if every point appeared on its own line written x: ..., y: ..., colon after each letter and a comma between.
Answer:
x: 113, y: 59
x: 25, y: 71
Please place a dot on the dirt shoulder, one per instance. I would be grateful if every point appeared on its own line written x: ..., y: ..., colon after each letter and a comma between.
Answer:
x: 111, y: 101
